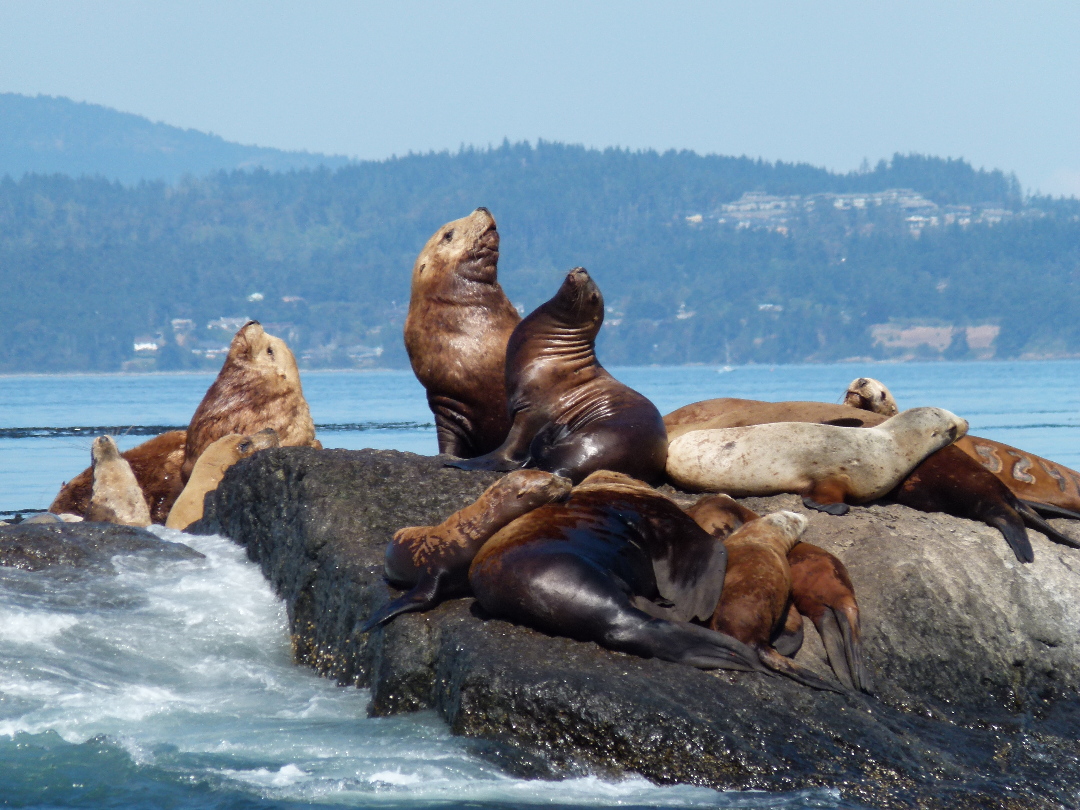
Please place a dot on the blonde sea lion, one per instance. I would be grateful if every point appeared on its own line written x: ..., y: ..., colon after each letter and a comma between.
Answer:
x: 434, y: 560
x: 117, y: 496
x: 828, y: 465
x: 456, y: 332
x: 156, y: 464
x: 258, y: 387
x: 757, y: 591
x: 605, y: 565
x: 570, y: 416
x: 210, y: 469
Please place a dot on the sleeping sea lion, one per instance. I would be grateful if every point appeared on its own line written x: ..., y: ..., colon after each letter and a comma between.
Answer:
x: 603, y: 566
x: 258, y: 387
x: 822, y: 591
x: 117, y: 497
x: 456, y: 332
x: 946, y: 481
x: 570, y: 416
x: 435, y: 560
x: 210, y: 469
x: 1045, y: 485
x: 828, y: 465
x: 156, y: 464
x: 757, y: 591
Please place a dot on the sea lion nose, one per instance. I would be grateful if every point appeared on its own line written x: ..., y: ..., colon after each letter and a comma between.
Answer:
x: 482, y: 208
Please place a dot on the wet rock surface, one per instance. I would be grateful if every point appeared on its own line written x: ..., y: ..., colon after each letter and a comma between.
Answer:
x: 975, y: 656
x: 37, y: 546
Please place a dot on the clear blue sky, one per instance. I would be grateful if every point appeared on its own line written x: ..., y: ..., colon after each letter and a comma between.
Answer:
x: 829, y: 83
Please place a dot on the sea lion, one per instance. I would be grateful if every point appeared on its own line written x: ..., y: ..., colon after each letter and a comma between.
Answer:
x: 117, y: 497
x: 456, y: 332
x: 258, y: 387
x: 570, y: 416
x: 757, y: 591
x: 720, y: 514
x: 604, y: 565
x: 210, y: 469
x: 821, y: 590
x: 946, y: 481
x: 1045, y: 485
x: 828, y: 465
x: 156, y: 464
x: 435, y: 560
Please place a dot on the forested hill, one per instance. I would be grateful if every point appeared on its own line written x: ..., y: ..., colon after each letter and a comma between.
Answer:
x: 45, y: 135
x: 701, y: 258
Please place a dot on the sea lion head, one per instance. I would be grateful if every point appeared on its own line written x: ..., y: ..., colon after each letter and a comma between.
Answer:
x: 579, y: 301
x: 467, y: 248
x: 790, y: 524
x: 940, y: 427
x: 104, y: 449
x: 868, y: 394
x: 255, y: 353
x: 228, y: 450
x: 536, y: 486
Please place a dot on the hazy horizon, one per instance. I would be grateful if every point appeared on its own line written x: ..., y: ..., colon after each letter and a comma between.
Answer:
x: 992, y: 84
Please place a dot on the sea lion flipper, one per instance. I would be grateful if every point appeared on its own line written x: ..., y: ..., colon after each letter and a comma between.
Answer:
x: 1016, y: 536
x: 790, y: 638
x: 692, y: 581
x: 800, y: 674
x: 1030, y: 512
x: 840, y: 635
x: 424, y: 596
x: 491, y: 461
x: 830, y: 508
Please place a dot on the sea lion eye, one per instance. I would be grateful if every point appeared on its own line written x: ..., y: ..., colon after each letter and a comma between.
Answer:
x: 243, y: 447
x: 270, y: 350
x: 448, y: 235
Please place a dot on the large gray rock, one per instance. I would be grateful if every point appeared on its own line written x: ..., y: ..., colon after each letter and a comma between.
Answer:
x: 974, y: 655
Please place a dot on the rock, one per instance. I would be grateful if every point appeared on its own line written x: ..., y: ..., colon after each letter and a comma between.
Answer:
x: 974, y: 655
x: 35, y: 546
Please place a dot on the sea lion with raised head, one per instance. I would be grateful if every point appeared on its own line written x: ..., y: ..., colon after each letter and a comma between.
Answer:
x: 570, y: 416
x: 829, y: 466
x: 156, y: 464
x: 456, y: 332
x: 258, y: 387
x: 433, y: 561
x: 757, y: 591
x: 210, y: 469
x: 117, y: 496
x: 616, y: 563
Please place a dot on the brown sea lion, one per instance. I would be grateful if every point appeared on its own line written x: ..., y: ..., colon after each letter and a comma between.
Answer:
x: 829, y: 466
x: 434, y: 560
x: 210, y: 469
x: 757, y: 591
x: 570, y: 416
x: 258, y: 387
x: 456, y: 332
x: 604, y: 566
x: 822, y: 591
x: 116, y: 497
x: 156, y: 464
x: 946, y: 481
x: 1043, y: 484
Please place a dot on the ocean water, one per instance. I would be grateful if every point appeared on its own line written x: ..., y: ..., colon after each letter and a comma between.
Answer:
x: 169, y: 683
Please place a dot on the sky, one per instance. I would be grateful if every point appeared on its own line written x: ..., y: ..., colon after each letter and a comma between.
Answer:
x: 832, y: 84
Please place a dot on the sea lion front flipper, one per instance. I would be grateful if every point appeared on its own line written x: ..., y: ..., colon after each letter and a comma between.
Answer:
x: 788, y: 668
x: 790, y: 638
x: 423, y: 596
x: 831, y: 508
x: 1035, y: 521
x: 490, y: 461
x: 691, y: 577
x: 1016, y: 536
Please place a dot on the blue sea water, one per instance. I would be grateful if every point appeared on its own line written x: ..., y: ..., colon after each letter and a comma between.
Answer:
x: 169, y: 684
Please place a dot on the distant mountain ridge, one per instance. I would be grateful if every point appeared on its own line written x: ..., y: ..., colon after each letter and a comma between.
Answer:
x: 50, y: 135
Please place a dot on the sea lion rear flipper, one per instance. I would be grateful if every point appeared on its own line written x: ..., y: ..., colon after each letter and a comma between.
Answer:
x: 1035, y: 521
x: 788, y: 668
x: 423, y: 596
x: 844, y: 649
x: 790, y: 638
x: 689, y: 644
x: 831, y: 508
x: 1016, y: 536
x: 490, y: 461
x: 1050, y: 510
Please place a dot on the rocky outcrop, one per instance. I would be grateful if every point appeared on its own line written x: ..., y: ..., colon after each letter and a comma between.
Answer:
x: 975, y: 656
x: 36, y: 546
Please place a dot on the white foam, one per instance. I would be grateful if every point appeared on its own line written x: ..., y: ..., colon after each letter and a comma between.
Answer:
x: 33, y: 626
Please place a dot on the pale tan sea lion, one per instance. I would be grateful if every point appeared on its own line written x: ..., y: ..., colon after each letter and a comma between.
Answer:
x: 456, y: 332
x: 869, y: 394
x: 210, y: 469
x: 117, y: 496
x: 828, y: 465
x: 434, y: 560
x: 258, y: 387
